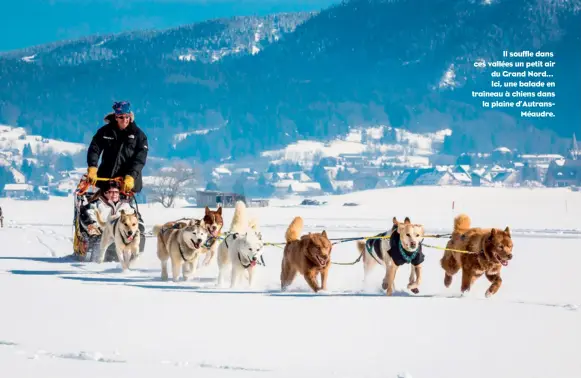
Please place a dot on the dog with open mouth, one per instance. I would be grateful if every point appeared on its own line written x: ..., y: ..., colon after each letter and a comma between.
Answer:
x: 488, y: 251
x: 214, y: 224
x: 182, y: 242
x: 309, y: 255
x: 122, y: 229
x: 242, y: 248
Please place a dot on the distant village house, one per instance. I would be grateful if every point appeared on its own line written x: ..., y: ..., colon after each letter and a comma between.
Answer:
x: 214, y: 199
x: 18, y: 190
x: 564, y: 173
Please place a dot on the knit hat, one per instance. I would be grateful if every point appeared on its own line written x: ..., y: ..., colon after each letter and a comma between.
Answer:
x: 122, y: 107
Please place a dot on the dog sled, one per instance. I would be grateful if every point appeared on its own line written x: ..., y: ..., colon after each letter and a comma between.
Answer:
x: 85, y: 244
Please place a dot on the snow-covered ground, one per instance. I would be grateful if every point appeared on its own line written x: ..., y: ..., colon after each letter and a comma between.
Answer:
x: 62, y: 319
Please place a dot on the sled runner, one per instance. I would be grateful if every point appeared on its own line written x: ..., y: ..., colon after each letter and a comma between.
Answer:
x: 85, y: 244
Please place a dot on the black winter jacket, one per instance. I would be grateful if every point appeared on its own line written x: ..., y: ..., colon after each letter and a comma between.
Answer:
x: 124, y: 152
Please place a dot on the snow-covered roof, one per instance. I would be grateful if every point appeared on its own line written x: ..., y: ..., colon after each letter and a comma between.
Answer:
x: 18, y: 187
x: 17, y: 175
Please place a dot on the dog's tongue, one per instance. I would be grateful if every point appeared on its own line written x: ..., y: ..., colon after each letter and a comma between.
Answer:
x: 253, y: 263
x: 130, y: 238
x: 504, y: 262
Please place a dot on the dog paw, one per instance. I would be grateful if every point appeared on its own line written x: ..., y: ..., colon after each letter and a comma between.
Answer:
x: 415, y: 290
x: 488, y: 294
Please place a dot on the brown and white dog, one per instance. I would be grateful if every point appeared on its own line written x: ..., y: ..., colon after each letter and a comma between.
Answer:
x: 391, y: 250
x: 214, y: 224
x: 123, y: 230
x: 309, y: 255
x: 180, y: 241
x: 489, y: 250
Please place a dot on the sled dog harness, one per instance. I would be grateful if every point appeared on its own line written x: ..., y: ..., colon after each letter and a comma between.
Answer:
x: 210, y: 241
x: 182, y: 252
x: 375, y: 245
x: 403, y: 257
x: 400, y: 256
x: 123, y: 238
x: 261, y: 262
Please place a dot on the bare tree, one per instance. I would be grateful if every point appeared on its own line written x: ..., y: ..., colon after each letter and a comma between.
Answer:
x: 172, y: 182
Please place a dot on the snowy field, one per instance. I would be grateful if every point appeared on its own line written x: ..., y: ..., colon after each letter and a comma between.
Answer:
x: 63, y: 319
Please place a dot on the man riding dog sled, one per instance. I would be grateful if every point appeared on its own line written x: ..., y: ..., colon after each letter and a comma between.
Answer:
x: 123, y: 148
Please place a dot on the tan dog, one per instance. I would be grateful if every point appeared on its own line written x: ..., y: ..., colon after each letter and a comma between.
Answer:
x: 123, y: 230
x: 491, y: 250
x: 374, y: 252
x: 308, y: 255
x: 180, y: 241
x: 403, y: 247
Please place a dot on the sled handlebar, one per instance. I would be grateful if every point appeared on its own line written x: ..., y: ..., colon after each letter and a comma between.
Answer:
x: 119, y: 179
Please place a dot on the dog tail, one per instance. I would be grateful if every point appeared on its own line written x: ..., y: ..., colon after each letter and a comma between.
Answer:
x: 156, y: 229
x: 462, y: 223
x: 361, y: 246
x: 293, y: 232
x: 239, y: 220
x: 100, y: 220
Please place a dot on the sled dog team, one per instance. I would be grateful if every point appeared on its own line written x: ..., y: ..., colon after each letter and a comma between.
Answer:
x: 475, y: 251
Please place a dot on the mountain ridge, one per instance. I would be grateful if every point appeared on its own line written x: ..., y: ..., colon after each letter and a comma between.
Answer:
x: 322, y: 78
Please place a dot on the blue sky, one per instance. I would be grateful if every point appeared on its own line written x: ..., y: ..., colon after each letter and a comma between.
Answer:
x: 26, y: 23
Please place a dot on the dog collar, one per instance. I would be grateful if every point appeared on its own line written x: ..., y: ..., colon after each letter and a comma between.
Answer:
x: 405, y: 255
x: 209, y: 242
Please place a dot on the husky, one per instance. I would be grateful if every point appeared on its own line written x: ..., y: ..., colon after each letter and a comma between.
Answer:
x: 392, y: 249
x: 181, y: 242
x: 123, y: 230
x: 241, y: 249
